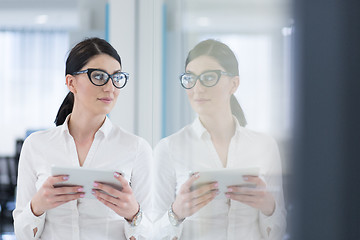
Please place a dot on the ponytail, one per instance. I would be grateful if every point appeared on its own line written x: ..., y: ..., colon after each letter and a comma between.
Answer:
x: 65, y: 109
x: 237, y: 111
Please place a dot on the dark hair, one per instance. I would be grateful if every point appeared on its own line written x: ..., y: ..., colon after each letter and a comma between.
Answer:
x: 227, y: 59
x: 78, y: 57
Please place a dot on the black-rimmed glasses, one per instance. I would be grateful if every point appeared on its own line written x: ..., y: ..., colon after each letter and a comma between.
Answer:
x: 99, y: 77
x: 207, y: 79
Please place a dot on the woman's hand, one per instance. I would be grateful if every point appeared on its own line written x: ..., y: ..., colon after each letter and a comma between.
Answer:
x: 49, y: 197
x: 188, y: 202
x: 122, y: 202
x: 257, y: 197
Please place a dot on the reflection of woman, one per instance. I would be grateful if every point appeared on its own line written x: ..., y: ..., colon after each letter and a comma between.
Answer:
x: 216, y: 140
x: 85, y: 137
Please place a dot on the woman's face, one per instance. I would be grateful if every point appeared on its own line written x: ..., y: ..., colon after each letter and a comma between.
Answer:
x: 209, y: 100
x: 95, y: 99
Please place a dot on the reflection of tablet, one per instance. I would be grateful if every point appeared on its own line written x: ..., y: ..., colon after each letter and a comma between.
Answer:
x: 225, y: 178
x: 86, y: 177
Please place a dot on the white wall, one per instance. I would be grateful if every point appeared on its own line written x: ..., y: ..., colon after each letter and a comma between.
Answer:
x: 135, y: 31
x: 122, y: 37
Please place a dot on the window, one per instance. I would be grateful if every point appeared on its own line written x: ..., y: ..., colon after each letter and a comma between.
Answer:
x: 32, y: 82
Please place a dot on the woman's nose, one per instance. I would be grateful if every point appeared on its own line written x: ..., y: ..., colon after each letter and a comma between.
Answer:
x: 109, y: 86
x: 198, y: 87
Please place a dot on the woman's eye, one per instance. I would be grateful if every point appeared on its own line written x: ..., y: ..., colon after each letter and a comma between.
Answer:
x: 99, y: 76
x: 209, y: 78
x: 188, y: 78
x: 118, y: 77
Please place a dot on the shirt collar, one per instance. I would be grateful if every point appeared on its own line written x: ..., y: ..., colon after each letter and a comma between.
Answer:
x: 105, y: 128
x: 199, y: 128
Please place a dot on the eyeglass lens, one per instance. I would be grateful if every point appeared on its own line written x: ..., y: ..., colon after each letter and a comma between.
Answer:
x: 208, y: 79
x: 100, y: 78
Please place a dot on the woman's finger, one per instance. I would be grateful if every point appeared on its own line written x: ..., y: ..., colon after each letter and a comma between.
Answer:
x: 204, y: 189
x: 106, y: 188
x: 57, y: 179
x: 245, y: 191
x: 204, y: 198
x: 108, y: 204
x: 125, y: 208
x: 239, y: 197
x: 187, y: 185
x: 68, y: 190
x: 201, y: 205
x: 106, y: 199
x: 112, y: 199
x: 256, y: 180
x: 68, y: 197
x: 124, y: 183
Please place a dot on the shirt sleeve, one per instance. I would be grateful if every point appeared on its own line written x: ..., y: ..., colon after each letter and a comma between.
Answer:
x: 164, y: 192
x: 273, y: 227
x: 26, y: 224
x: 141, y: 184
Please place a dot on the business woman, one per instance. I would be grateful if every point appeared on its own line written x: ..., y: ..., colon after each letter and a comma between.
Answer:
x: 85, y: 137
x: 217, y: 139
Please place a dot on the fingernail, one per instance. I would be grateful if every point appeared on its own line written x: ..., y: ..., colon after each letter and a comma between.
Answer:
x: 230, y: 189
x: 82, y: 195
x: 93, y: 192
x: 245, y: 178
x: 197, y: 175
x: 96, y: 184
x: 116, y: 174
x: 66, y: 178
x: 227, y: 195
x: 80, y: 189
x: 216, y: 184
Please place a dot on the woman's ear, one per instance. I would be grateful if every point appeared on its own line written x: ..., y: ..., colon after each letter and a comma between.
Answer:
x: 71, y: 83
x: 235, y: 81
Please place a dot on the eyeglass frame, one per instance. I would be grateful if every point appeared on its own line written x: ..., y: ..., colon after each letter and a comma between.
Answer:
x: 218, y: 73
x: 90, y: 70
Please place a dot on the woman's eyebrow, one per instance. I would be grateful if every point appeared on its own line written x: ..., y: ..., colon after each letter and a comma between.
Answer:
x: 116, y: 71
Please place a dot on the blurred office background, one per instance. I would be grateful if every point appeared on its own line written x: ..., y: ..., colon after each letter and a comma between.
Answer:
x: 153, y: 38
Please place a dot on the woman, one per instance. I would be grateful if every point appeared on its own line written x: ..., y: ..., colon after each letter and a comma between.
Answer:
x: 216, y: 140
x: 85, y: 137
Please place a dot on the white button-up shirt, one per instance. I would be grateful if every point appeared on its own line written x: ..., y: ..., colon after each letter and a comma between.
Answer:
x: 112, y: 149
x: 191, y: 149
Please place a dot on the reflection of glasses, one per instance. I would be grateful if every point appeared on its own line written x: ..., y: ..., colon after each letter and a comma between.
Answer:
x: 99, y: 77
x: 208, y: 78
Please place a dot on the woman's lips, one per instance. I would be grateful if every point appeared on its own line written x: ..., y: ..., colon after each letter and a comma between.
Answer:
x: 106, y: 100
x: 201, y: 100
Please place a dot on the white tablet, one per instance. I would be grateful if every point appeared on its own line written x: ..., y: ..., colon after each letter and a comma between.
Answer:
x: 225, y: 178
x: 86, y: 177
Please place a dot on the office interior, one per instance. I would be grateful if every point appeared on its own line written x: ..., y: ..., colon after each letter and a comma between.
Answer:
x: 153, y: 38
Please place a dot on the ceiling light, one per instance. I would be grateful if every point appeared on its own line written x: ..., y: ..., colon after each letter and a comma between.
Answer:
x: 203, y: 21
x: 42, y: 19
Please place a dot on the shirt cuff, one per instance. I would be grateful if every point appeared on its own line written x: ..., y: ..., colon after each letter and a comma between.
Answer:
x: 165, y: 230
x: 35, y: 222
x: 268, y: 224
x: 142, y: 231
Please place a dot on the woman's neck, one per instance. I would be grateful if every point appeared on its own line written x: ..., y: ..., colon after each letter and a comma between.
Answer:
x: 83, y: 126
x: 220, y: 126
